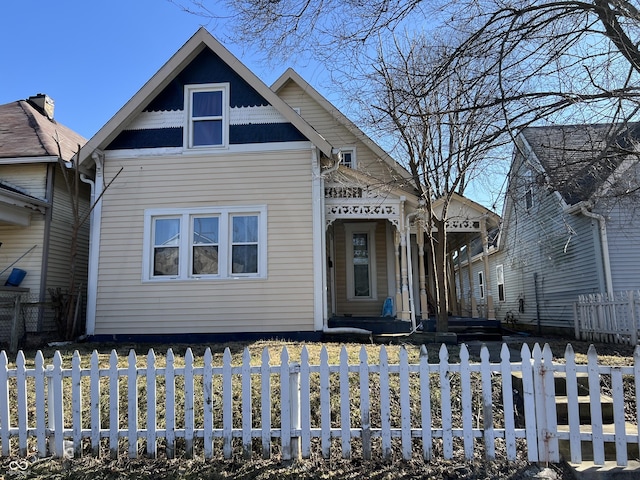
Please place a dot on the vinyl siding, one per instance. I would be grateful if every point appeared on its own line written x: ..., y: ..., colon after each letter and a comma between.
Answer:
x: 334, y: 132
x: 59, y: 263
x: 31, y: 177
x: 281, y: 302
x: 562, y: 249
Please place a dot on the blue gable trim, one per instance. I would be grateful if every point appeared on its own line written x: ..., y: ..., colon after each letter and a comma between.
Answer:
x: 151, y: 138
x: 207, y: 67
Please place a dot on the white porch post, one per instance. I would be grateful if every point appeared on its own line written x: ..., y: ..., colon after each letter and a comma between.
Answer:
x: 491, y: 314
x: 473, y: 303
x: 404, y: 269
x: 396, y: 241
x: 424, y: 308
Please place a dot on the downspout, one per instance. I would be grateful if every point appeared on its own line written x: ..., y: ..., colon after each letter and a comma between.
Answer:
x: 604, y: 246
x: 325, y: 326
x: 94, y: 240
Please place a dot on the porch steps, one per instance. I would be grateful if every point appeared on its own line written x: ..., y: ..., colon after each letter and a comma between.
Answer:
x: 587, y: 469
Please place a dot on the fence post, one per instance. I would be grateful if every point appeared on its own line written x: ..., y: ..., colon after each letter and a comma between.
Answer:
x: 633, y: 327
x: 294, y: 411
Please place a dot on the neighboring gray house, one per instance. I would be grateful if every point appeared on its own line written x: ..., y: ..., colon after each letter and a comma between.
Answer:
x: 570, y: 224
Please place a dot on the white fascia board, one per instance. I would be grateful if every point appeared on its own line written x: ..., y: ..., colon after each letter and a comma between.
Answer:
x: 20, y: 160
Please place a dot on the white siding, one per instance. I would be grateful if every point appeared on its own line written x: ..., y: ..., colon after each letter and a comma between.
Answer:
x: 281, y: 302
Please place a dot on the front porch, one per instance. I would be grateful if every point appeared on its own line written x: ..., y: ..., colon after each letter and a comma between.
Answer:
x: 465, y: 328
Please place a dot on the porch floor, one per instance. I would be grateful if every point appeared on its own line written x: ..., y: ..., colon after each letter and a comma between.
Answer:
x: 465, y: 328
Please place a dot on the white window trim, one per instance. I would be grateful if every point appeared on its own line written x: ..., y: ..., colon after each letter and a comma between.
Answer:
x: 528, y: 190
x: 370, y: 229
x: 481, y: 286
x: 500, y: 281
x: 352, y: 151
x: 188, y: 131
x: 224, y: 242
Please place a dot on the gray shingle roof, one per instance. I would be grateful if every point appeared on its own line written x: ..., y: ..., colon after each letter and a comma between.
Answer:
x: 25, y: 132
x: 579, y: 158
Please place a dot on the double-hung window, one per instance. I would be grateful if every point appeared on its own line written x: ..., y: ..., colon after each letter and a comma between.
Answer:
x: 348, y: 157
x: 500, y: 282
x: 215, y: 243
x: 207, y: 115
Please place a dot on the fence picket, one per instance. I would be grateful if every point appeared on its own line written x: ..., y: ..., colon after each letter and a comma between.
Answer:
x: 285, y: 413
x: 405, y: 405
x: 114, y: 405
x: 507, y: 403
x: 529, y: 404
x: 305, y: 403
x: 94, y: 376
x: 325, y: 404
x: 247, y: 420
x: 597, y: 440
x: 76, y: 403
x: 57, y: 411
x: 207, y: 392
x: 636, y: 381
x: 465, y: 402
x: 425, y: 403
x: 170, y: 404
x: 385, y: 405
x: 345, y: 404
x: 188, y: 403
x: 21, y: 407
x: 227, y: 405
x: 4, y: 404
x: 445, y: 401
x: 617, y: 392
x: 365, y: 412
x: 572, y: 399
x: 41, y: 424
x: 487, y: 404
x: 550, y: 405
x: 265, y: 375
x: 132, y: 399
x: 151, y: 404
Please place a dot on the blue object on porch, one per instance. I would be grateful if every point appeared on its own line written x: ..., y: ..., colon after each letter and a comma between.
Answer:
x: 15, y: 278
x: 387, y: 307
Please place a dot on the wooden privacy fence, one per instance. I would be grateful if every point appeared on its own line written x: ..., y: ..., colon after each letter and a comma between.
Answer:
x: 611, y: 318
x: 187, y: 406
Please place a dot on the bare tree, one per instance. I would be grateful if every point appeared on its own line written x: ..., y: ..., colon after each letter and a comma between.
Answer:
x: 444, y: 141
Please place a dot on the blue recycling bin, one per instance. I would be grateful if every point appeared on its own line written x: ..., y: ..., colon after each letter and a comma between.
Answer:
x: 15, y: 278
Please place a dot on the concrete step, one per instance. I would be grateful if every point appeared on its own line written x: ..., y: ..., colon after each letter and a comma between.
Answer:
x: 559, y: 380
x: 584, y: 405
x: 586, y: 447
x: 608, y: 471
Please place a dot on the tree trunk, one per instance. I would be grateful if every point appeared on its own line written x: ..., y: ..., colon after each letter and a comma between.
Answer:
x: 440, y: 269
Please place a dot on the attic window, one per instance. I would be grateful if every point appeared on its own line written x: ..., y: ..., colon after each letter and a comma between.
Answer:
x: 528, y: 194
x: 208, y: 118
x: 348, y: 157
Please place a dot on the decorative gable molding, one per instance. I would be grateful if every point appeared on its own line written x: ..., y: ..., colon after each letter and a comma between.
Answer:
x: 258, y: 115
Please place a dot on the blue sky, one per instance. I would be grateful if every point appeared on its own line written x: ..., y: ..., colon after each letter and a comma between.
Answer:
x: 92, y: 56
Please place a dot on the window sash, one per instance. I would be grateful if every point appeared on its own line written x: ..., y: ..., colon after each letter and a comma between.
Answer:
x: 207, y: 122
x: 198, y: 243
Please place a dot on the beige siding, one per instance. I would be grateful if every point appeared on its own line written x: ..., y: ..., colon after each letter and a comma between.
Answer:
x: 281, y: 302
x: 335, y: 133
x: 30, y: 177
x: 369, y: 308
x: 58, y: 270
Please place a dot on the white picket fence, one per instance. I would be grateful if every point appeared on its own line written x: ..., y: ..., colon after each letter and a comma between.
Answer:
x: 191, y: 407
x: 611, y: 318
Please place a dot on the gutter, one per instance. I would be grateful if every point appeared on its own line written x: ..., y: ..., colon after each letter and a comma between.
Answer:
x: 583, y: 207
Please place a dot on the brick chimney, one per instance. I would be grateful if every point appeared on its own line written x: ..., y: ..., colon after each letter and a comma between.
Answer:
x: 43, y: 103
